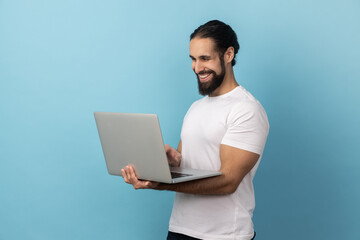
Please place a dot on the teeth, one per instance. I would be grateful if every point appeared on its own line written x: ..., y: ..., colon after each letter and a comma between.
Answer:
x: 204, y: 76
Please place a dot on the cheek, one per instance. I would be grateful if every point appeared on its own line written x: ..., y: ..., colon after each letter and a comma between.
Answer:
x: 216, y: 68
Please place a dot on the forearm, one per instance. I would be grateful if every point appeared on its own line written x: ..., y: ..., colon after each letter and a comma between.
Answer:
x: 235, y: 164
x: 208, y: 186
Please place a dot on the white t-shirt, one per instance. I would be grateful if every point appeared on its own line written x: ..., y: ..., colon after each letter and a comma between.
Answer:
x: 236, y: 119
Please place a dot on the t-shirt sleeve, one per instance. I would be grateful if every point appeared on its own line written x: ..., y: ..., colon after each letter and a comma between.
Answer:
x: 247, y: 127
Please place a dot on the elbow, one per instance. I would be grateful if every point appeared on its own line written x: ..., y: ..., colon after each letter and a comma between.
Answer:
x: 231, y: 185
x: 230, y: 189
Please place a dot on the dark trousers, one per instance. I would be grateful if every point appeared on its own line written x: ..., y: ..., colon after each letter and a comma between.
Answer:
x: 178, y: 236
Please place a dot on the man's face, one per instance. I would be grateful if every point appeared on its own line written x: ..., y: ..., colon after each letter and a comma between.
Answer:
x: 207, y: 64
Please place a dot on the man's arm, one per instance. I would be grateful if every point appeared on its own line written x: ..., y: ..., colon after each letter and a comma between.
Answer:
x: 235, y: 164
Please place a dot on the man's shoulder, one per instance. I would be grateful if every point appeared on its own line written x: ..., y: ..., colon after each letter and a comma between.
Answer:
x: 245, y: 105
x: 239, y: 100
x: 241, y: 94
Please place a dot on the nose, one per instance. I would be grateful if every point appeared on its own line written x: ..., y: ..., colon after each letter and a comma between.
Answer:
x: 197, y: 66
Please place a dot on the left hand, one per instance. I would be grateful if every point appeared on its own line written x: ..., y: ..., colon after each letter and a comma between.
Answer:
x: 129, y: 176
x: 173, y: 156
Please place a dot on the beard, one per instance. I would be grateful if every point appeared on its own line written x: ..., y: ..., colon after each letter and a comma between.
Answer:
x: 208, y: 87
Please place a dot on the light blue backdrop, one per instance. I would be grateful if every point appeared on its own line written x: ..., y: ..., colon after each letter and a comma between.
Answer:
x: 62, y: 60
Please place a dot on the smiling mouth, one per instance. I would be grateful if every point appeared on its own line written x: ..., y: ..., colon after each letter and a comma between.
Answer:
x: 204, y: 77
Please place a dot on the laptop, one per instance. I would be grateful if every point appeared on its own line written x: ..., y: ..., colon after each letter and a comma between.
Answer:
x: 133, y: 138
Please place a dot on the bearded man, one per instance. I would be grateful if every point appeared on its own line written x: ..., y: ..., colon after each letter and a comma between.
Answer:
x: 226, y: 130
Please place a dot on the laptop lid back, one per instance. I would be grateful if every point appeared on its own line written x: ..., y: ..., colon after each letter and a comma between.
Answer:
x: 132, y: 138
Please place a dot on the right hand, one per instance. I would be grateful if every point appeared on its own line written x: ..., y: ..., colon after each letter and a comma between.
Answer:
x: 129, y: 176
x: 173, y: 156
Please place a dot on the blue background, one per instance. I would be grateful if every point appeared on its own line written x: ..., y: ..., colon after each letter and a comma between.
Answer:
x: 62, y: 60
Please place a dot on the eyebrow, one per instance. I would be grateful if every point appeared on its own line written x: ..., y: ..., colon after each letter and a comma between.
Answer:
x: 205, y: 57
x: 201, y: 57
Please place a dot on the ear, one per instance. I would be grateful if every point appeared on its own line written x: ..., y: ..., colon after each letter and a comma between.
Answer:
x: 229, y: 55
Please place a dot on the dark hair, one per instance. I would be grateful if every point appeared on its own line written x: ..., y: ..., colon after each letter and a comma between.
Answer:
x: 222, y: 34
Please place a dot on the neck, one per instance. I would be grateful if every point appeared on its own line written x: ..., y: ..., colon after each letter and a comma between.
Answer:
x: 227, y: 85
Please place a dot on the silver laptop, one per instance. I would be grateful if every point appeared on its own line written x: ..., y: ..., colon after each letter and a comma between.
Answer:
x: 131, y: 138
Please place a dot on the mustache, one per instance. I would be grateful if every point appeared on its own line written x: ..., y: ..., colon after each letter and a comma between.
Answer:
x: 204, y: 72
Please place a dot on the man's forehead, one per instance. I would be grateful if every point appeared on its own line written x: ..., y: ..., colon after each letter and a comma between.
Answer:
x: 202, y: 46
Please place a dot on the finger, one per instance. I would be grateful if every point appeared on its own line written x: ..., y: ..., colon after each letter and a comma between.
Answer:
x: 174, y: 154
x: 125, y: 176
x: 128, y: 177
x: 131, y: 172
x: 179, y: 157
x: 170, y: 152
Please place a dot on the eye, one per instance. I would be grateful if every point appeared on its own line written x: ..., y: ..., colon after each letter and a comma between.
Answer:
x: 204, y: 58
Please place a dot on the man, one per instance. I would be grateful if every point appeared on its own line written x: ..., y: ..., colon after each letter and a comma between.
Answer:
x: 226, y: 130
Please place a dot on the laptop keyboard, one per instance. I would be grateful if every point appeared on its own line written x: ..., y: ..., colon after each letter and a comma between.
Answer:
x: 177, y: 175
